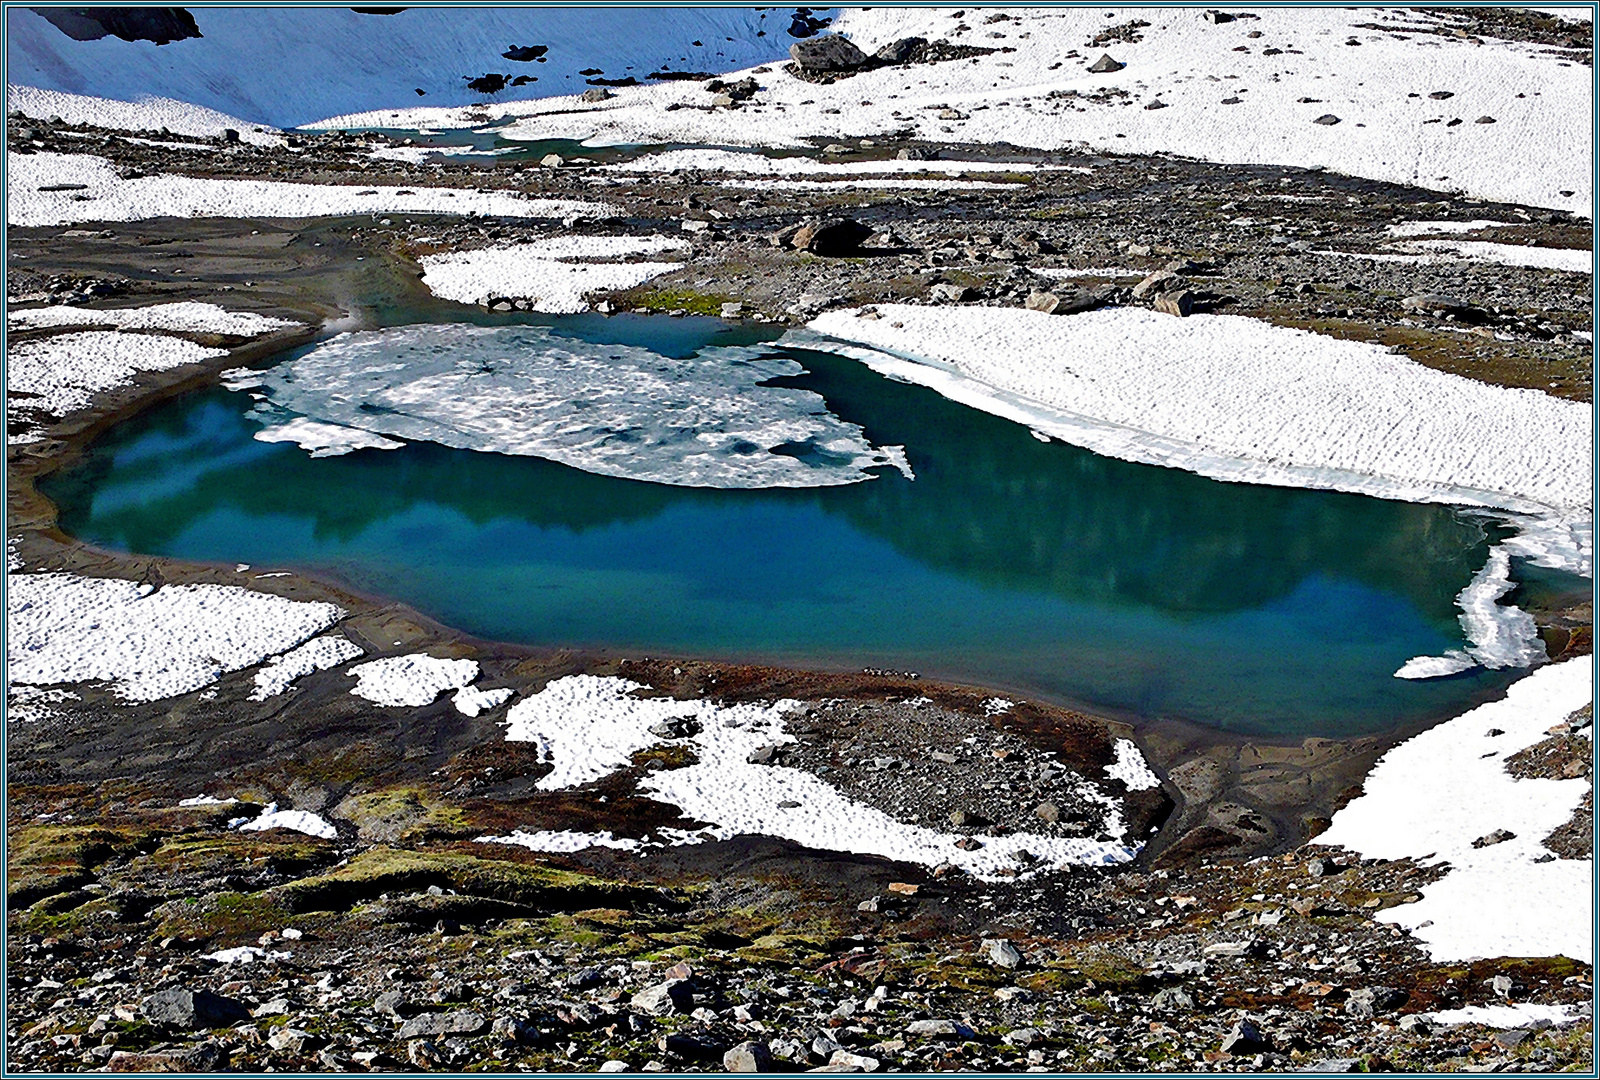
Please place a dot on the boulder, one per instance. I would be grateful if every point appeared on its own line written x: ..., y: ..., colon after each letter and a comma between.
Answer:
x: 193, y: 1010
x: 831, y: 237
x: 456, y: 1022
x: 1245, y: 1038
x: 1326, y: 120
x: 1156, y: 283
x: 1180, y: 303
x: 674, y: 995
x: 595, y: 95
x: 946, y: 293
x: 827, y: 53
x: 898, y: 52
x: 1003, y: 954
x: 1105, y: 65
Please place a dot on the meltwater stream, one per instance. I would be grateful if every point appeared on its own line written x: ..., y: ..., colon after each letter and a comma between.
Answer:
x: 1006, y: 562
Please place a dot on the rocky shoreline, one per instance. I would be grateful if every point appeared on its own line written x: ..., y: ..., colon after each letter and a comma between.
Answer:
x: 401, y: 943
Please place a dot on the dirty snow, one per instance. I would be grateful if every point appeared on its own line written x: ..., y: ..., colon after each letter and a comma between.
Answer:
x: 107, y: 197
x: 61, y: 628
x: 301, y: 821
x: 66, y: 371
x: 318, y: 654
x: 186, y: 317
x: 733, y: 161
x: 145, y: 114
x: 588, y: 727
x: 543, y: 271
x: 31, y: 704
x: 413, y: 680
x: 1430, y: 797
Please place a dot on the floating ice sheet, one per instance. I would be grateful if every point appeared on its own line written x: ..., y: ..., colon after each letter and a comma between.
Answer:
x: 704, y: 421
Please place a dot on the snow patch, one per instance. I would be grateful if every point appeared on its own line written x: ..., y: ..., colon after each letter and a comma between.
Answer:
x: 108, y: 197
x: 206, y: 800
x: 1131, y: 767
x: 1523, y: 1014
x: 616, y: 410
x: 61, y: 628
x: 470, y: 701
x: 546, y: 840
x: 588, y: 727
x: 1432, y: 796
x: 300, y: 821
x: 318, y: 654
x: 413, y: 680
x: 538, y: 272
x: 63, y: 373
x: 186, y: 317
x: 145, y: 114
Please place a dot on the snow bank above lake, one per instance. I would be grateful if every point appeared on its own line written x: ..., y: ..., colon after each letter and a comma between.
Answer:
x: 104, y: 196
x: 414, y: 680
x: 545, y: 272
x: 63, y: 373
x: 590, y: 726
x: 1228, y: 97
x: 145, y: 114
x: 615, y: 410
x: 61, y: 628
x: 184, y: 317
x: 1239, y: 399
x: 1433, y: 796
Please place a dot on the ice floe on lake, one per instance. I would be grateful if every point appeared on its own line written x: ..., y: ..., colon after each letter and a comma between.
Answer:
x: 1434, y: 796
x: 323, y: 439
x: 105, y: 196
x: 414, y: 680
x: 148, y: 643
x: 617, y: 410
x: 588, y: 727
x: 1500, y: 635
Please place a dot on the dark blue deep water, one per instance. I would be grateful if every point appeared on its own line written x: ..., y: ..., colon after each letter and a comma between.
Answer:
x: 1010, y: 563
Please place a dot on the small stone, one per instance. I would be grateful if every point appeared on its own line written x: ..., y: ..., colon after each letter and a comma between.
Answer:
x: 853, y: 1062
x: 1158, y: 282
x: 1442, y: 95
x: 1484, y: 120
x: 1499, y: 836
x: 612, y: 1065
x: 674, y: 995
x: 457, y: 1022
x: 946, y: 293
x: 903, y: 888
x: 1326, y: 120
x: 193, y: 1010
x: 764, y: 755
x: 552, y: 161
x: 732, y: 310
x: 1045, y: 302
x: 940, y: 1029
x: 696, y: 225
x: 1501, y: 985
x: 1003, y: 954
x: 1105, y: 65
x: 1245, y: 1038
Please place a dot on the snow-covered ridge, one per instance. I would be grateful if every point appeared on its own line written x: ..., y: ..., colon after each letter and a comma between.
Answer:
x: 590, y: 726
x: 1433, y: 796
x: 107, y: 197
x: 1220, y: 104
x: 143, y: 114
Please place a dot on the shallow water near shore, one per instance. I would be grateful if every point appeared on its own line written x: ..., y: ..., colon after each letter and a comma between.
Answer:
x: 1007, y: 562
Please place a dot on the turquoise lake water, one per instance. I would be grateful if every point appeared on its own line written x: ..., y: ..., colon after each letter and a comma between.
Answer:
x: 1033, y: 568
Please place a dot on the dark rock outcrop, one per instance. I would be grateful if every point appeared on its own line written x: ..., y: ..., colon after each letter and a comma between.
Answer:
x: 160, y: 25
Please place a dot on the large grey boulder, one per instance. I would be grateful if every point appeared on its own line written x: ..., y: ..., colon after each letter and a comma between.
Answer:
x: 828, y: 53
x: 193, y: 1010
